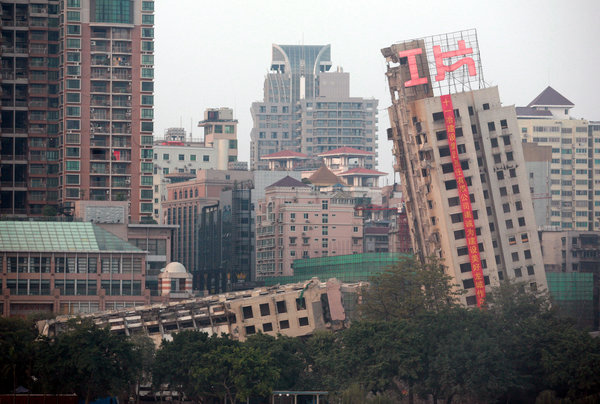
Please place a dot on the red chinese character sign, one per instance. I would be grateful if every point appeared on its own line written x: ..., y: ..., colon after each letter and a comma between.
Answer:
x: 465, y: 201
x: 453, y: 62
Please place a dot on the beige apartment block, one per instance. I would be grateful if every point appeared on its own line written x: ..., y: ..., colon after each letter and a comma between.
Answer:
x: 573, y: 191
x: 491, y: 156
x: 295, y: 221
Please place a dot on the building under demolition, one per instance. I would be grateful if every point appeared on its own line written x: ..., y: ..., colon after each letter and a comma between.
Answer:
x: 459, y: 155
x: 293, y: 310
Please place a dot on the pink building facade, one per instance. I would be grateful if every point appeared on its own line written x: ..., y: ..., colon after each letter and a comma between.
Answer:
x: 293, y: 221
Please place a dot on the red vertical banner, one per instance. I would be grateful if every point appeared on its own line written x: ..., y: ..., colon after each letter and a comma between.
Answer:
x: 465, y: 201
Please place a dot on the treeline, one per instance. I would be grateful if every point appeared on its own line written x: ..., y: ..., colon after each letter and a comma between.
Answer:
x: 413, y: 343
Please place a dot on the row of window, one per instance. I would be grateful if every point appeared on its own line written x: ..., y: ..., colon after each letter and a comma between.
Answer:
x: 71, y: 287
x: 81, y: 265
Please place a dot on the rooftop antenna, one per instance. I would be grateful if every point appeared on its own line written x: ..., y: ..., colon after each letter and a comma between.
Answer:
x: 191, y: 127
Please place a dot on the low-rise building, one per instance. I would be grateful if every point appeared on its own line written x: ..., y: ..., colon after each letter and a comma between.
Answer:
x: 68, y: 267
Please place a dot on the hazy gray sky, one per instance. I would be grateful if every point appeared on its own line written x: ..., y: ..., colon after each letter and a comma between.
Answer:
x: 216, y: 53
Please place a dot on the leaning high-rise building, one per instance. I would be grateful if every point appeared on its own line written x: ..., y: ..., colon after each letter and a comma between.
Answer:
x: 458, y: 152
x: 79, y: 121
x: 307, y: 108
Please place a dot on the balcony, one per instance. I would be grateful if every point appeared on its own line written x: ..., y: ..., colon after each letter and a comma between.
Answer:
x: 100, y: 115
x: 120, y: 89
x: 121, y: 61
x: 37, y: 49
x: 121, y: 49
x: 120, y: 169
x: 121, y: 128
x: 100, y: 60
x: 100, y: 101
x: 99, y: 168
x: 98, y: 182
x: 121, y: 182
x: 100, y: 73
x: 121, y: 102
x: 121, y: 116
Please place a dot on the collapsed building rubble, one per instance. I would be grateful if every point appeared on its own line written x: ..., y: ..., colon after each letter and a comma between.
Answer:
x: 292, y: 310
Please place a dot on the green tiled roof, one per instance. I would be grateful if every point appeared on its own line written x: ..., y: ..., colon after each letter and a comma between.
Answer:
x: 59, y: 236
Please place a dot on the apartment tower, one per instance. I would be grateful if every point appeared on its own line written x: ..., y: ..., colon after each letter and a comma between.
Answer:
x: 461, y: 164
x: 572, y: 188
x: 79, y: 124
x: 308, y: 109
x: 29, y: 107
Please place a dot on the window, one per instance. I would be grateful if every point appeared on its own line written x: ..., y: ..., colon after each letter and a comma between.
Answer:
x: 73, y: 16
x: 147, y: 100
x: 518, y: 273
x: 515, y: 256
x: 303, y: 321
x: 147, y: 73
x: 74, y: 97
x: 492, y: 127
x: 147, y: 19
x: 494, y: 142
x: 281, y: 307
x: 147, y: 6
x: 73, y: 84
x: 205, y: 158
x: 509, y: 224
x: 247, y: 312
x: 283, y: 324
x: 325, y: 218
x: 72, y: 165
x: 181, y: 157
x: 530, y: 270
x: 500, y: 175
x: 265, y: 309
x: 73, y: 43
x: 527, y: 254
x: 521, y: 221
x: 267, y: 327
x: 300, y: 304
x: 509, y: 156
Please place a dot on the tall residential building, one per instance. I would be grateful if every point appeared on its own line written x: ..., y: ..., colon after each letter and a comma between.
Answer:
x: 81, y: 108
x: 574, y: 183
x: 460, y: 159
x: 308, y: 109
x: 29, y: 107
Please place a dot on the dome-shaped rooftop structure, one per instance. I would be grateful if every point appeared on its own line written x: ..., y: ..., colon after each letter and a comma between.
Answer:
x: 175, y: 267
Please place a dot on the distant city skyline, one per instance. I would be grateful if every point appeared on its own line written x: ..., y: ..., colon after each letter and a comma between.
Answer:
x: 213, y: 55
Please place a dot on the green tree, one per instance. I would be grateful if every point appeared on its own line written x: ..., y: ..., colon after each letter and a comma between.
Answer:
x: 407, y: 289
x: 17, y: 354
x: 233, y: 371
x: 174, y: 360
x: 90, y: 361
x: 287, y: 355
x: 144, y: 351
